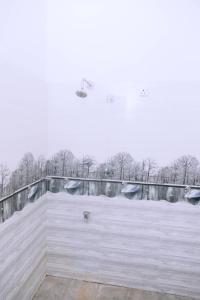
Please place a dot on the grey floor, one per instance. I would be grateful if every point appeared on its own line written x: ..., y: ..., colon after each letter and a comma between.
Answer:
x: 56, y: 288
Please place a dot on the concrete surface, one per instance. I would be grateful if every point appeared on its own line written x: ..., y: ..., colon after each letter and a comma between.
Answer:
x: 57, y: 288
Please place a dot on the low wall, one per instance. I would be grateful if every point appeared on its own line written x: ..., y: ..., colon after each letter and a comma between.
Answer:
x: 153, y: 245
x: 23, y: 252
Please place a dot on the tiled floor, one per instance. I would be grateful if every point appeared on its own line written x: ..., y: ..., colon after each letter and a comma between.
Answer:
x: 56, y: 288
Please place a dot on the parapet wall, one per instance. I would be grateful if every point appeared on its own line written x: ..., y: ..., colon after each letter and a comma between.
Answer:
x: 23, y: 252
x: 152, y: 245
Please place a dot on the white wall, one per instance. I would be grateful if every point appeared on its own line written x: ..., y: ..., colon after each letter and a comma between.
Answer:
x: 46, y: 47
x: 124, y: 46
x: 23, y: 91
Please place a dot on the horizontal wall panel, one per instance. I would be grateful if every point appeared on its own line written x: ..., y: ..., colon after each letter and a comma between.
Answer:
x: 144, y: 244
x: 23, y: 252
x: 152, y: 245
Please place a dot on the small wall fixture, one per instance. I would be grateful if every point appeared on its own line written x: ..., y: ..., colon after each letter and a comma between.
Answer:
x: 85, y: 84
x: 86, y: 216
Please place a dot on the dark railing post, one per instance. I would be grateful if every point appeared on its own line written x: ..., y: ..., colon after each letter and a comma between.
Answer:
x: 2, y: 212
x: 47, y: 184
